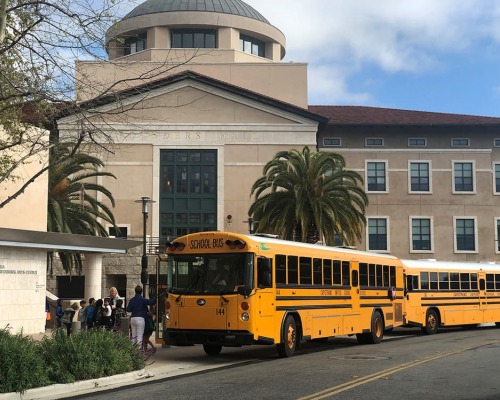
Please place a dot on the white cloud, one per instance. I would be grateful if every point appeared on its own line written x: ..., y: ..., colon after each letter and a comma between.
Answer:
x: 393, y: 34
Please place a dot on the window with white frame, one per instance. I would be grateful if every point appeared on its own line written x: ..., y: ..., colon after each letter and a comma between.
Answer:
x: 419, y: 176
x: 119, y: 232
x: 465, y: 234
x: 135, y: 43
x: 378, y: 234
x: 463, y: 176
x: 417, y: 142
x: 377, y: 142
x: 496, y: 178
x: 421, y: 239
x: 376, y: 176
x: 331, y: 141
x: 496, y: 142
x: 497, y: 235
x: 460, y: 142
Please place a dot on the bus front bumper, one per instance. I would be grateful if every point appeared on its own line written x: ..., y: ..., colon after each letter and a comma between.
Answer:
x: 183, y: 337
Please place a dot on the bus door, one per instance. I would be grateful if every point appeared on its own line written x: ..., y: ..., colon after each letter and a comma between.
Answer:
x: 483, y: 296
x: 355, y: 297
x: 265, y: 291
x: 161, y: 297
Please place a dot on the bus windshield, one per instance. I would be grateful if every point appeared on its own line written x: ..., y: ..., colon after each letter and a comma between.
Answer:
x: 210, y: 273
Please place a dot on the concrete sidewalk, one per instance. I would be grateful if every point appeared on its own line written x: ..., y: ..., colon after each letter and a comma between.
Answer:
x: 165, y: 363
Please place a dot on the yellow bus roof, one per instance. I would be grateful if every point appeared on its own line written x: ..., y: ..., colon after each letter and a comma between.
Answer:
x: 451, y: 265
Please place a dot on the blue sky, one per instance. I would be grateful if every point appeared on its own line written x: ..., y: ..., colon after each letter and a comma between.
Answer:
x: 428, y: 55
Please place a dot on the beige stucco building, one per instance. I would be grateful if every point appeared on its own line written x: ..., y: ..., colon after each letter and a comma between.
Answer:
x: 194, y: 100
x: 24, y: 243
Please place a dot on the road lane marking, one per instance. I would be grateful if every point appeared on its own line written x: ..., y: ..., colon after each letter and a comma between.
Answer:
x: 383, y: 374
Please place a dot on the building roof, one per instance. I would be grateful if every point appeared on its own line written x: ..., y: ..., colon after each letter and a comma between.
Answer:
x: 235, y: 7
x: 197, y: 77
x: 358, y: 115
x: 52, y: 241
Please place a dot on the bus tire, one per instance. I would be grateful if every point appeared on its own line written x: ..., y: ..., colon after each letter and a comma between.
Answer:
x: 362, y: 338
x: 497, y: 324
x: 377, y: 329
x: 431, y: 322
x: 289, y: 338
x: 212, y: 349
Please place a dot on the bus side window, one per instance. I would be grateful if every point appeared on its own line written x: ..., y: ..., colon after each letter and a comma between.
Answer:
x: 411, y: 283
x: 264, y: 272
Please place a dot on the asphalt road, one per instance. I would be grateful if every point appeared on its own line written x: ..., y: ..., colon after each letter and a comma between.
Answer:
x: 453, y: 364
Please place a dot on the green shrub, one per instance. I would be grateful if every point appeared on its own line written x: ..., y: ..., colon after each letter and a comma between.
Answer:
x: 89, y: 354
x: 22, y: 364
x: 92, y: 354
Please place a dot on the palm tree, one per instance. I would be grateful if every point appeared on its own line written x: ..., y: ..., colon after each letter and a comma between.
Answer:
x: 307, y: 197
x: 72, y: 207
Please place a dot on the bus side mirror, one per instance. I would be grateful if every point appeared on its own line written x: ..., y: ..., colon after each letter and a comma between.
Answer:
x: 244, y: 290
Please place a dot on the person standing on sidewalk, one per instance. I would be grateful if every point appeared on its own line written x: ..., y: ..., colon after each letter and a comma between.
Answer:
x: 138, y: 307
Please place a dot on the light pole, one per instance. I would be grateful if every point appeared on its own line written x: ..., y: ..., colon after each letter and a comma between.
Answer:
x: 144, y: 260
x: 251, y: 225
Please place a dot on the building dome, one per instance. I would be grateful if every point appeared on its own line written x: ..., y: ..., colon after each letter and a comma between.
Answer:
x: 234, y: 7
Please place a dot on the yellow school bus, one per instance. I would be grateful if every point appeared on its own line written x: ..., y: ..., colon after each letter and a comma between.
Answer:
x: 227, y: 289
x: 439, y: 294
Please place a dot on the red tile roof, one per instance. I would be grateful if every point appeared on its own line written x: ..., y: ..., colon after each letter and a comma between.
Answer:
x: 376, y: 116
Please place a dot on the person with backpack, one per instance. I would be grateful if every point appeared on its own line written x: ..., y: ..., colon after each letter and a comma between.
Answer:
x: 59, y: 313
x: 106, y: 314
x: 68, y: 315
x: 138, y: 306
x: 90, y: 313
x: 82, y: 314
x: 118, y: 314
x: 98, y: 313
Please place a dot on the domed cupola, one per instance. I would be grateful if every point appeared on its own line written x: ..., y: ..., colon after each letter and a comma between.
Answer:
x: 234, y: 7
x: 231, y: 29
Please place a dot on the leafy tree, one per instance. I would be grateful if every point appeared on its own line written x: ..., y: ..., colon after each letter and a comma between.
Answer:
x: 40, y: 40
x: 306, y: 197
x: 72, y: 205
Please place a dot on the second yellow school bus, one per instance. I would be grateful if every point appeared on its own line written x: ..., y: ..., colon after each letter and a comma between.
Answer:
x: 442, y: 294
x: 227, y: 289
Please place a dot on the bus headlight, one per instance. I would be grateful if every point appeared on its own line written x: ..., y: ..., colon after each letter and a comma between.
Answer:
x: 167, y: 316
x: 245, y: 317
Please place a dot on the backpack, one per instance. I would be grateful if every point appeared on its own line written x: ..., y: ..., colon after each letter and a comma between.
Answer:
x: 66, y: 318
x: 99, y: 315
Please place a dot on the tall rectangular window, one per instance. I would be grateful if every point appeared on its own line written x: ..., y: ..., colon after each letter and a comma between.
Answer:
x: 421, y: 234
x: 497, y: 238
x: 463, y: 177
x: 252, y: 45
x: 377, y: 234
x: 188, y: 191
x: 376, y: 176
x: 419, y: 177
x: 135, y: 44
x: 496, y: 177
x: 465, y: 234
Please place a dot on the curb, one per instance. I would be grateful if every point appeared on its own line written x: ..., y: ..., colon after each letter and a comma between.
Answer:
x: 80, y: 388
x: 60, y: 390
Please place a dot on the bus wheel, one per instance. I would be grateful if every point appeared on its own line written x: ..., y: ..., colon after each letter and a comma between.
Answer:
x: 287, y: 347
x: 497, y: 324
x: 362, y: 338
x: 212, y: 349
x: 431, y: 322
x: 377, y: 333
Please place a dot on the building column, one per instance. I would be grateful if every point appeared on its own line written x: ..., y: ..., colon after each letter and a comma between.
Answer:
x: 92, y: 268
